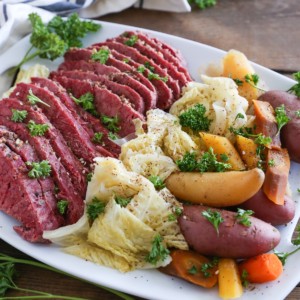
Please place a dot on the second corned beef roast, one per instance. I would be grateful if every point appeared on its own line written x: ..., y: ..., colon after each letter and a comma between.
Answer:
x: 52, y: 128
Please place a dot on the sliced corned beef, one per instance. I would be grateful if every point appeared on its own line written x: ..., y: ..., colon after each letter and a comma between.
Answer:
x: 164, y: 93
x: 90, y: 123
x: 22, y: 197
x: 142, y: 59
x: 152, y: 54
x: 27, y: 153
x: 119, y: 89
x: 106, y: 103
x: 61, y: 118
x: 45, y: 152
x: 74, y: 167
x: 166, y: 53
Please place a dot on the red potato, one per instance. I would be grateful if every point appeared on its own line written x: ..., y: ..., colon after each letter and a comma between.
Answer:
x: 234, y: 239
x: 268, y: 211
x: 290, y: 133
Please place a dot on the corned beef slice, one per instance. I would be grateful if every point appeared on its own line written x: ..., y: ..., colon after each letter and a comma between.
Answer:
x: 61, y: 118
x: 147, y: 92
x: 166, y: 53
x: 158, y: 59
x: 27, y: 153
x: 45, y: 152
x: 164, y: 93
x: 121, y: 90
x: 142, y: 59
x: 111, y: 71
x: 90, y: 123
x: 105, y: 102
x: 73, y: 166
x: 22, y: 197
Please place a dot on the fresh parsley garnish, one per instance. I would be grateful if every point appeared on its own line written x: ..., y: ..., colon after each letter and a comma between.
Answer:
x: 295, y: 89
x: 158, y: 251
x: 89, y: 177
x: 193, y: 270
x: 86, y: 101
x: 238, y: 81
x: 148, y: 66
x: 111, y: 123
x: 122, y: 201
x: 214, y: 217
x: 131, y: 41
x: 202, y: 4
x: 297, y: 113
x: 296, y: 242
x: 242, y: 216
x: 37, y: 129
x: 155, y: 76
x: 281, y: 117
x: 253, y: 80
x: 62, y: 206
x: 244, y: 278
x: 112, y: 136
x: 39, y: 169
x: 101, y: 56
x: 97, y: 138
x: 54, y: 39
x: 195, y: 118
x: 188, y: 163
x: 271, y: 163
x: 32, y: 99
x: 141, y: 69
x: 95, y: 208
x: 239, y: 116
x: 18, y: 116
x: 157, y: 182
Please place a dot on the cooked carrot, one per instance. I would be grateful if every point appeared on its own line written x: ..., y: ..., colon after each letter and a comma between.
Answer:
x: 265, y: 122
x: 262, y: 268
x: 192, y: 267
x: 277, y: 173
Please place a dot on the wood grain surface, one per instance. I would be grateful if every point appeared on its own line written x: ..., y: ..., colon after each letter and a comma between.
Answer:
x: 266, y: 31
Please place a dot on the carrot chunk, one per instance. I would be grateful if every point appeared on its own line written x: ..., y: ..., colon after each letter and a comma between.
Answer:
x: 262, y: 268
x: 277, y: 173
x: 192, y: 267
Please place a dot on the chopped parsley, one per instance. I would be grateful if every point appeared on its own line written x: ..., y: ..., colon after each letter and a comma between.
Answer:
x: 152, y: 76
x: 202, y: 4
x: 89, y: 177
x: 188, y: 163
x: 95, y: 208
x: 244, y: 278
x: 193, y: 270
x: 101, y: 56
x: 206, y: 267
x: 271, y: 163
x: 18, y: 116
x: 238, y: 81
x: 97, y: 138
x: 195, y: 118
x: 37, y: 129
x: 242, y: 216
x: 295, y: 89
x: 62, y: 206
x: 281, y: 117
x: 122, y: 201
x: 141, y: 69
x: 131, y: 41
x: 158, y: 251
x: 148, y: 66
x: 157, y: 182
x: 33, y: 99
x: 111, y: 123
x: 252, y: 79
x: 214, y: 217
x: 39, y: 169
x: 112, y: 136
x: 86, y: 101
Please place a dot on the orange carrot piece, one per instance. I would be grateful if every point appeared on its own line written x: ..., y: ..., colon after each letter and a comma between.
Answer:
x: 192, y: 267
x: 262, y: 268
x: 266, y: 122
x: 277, y: 173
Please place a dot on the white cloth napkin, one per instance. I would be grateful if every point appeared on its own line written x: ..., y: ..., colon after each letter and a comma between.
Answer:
x: 14, y: 22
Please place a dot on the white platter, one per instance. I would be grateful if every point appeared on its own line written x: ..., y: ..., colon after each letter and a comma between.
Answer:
x: 151, y: 284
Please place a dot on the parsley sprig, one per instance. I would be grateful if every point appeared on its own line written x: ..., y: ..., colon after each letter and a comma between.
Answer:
x: 8, y: 272
x: 157, y: 182
x: 18, y: 116
x: 62, y: 206
x: 295, y: 89
x: 86, y: 101
x: 195, y: 118
x: 39, y: 169
x: 37, y: 129
x: 296, y: 242
x: 95, y: 208
x: 111, y: 123
x: 202, y: 4
x: 122, y: 201
x: 214, y: 217
x: 101, y: 56
x: 281, y: 117
x: 33, y: 99
x: 242, y: 216
x: 54, y: 39
x: 207, y: 163
x: 158, y: 251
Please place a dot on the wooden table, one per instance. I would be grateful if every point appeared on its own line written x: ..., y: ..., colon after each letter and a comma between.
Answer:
x: 266, y: 31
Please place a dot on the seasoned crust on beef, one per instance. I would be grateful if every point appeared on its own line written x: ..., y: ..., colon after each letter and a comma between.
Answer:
x: 90, y: 123
x: 22, y: 197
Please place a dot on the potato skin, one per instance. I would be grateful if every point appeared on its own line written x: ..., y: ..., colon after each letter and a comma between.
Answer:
x: 290, y: 133
x: 268, y: 211
x: 234, y: 240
